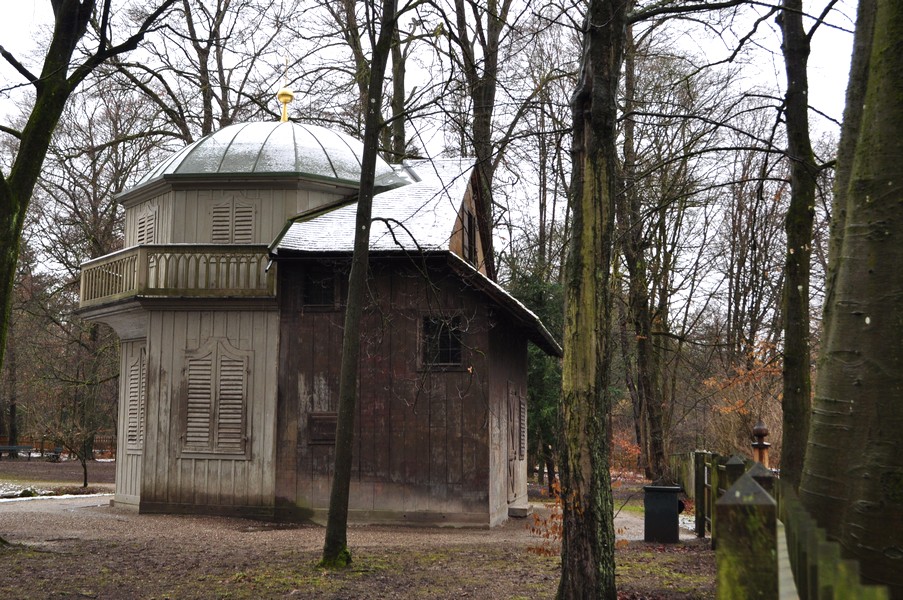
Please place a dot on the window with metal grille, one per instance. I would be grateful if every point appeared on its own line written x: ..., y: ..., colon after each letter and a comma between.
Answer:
x: 318, y: 287
x: 442, y: 340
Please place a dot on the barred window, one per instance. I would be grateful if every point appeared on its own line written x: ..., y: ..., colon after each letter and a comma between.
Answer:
x: 318, y: 287
x: 442, y: 340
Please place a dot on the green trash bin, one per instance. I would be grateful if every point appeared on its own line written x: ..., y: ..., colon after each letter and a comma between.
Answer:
x: 662, y: 505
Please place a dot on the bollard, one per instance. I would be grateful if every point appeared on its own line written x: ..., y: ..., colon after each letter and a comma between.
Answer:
x: 747, y: 550
x: 733, y: 470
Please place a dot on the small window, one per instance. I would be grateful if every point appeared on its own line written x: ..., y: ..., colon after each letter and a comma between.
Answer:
x: 469, y: 241
x: 442, y: 338
x: 319, y: 287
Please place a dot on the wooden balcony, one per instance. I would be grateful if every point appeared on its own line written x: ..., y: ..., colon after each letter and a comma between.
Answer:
x: 177, y: 270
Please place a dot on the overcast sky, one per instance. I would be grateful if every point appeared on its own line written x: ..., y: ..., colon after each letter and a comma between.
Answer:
x: 828, y: 67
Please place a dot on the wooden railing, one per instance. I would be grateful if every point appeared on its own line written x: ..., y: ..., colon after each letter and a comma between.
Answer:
x: 753, y: 509
x: 177, y: 270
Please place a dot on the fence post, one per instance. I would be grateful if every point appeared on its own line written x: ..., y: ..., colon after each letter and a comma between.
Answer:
x: 746, y: 554
x: 733, y: 470
x: 763, y: 477
x: 760, y: 446
x: 699, y: 481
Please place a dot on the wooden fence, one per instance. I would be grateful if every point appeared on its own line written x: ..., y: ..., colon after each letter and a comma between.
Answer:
x: 747, y: 512
x: 104, y: 445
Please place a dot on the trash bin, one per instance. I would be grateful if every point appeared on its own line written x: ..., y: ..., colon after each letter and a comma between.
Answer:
x: 661, y: 505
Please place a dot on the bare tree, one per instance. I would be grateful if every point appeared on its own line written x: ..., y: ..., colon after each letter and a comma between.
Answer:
x: 64, y: 69
x: 335, y: 547
x: 212, y: 64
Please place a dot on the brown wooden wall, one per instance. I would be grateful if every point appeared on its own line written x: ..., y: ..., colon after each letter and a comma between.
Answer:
x: 422, y: 436
x: 508, y: 389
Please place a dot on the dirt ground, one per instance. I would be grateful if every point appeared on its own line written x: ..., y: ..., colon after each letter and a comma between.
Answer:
x: 80, y: 547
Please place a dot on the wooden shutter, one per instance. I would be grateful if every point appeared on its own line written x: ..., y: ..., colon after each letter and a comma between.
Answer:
x: 218, y: 380
x: 146, y: 228
x: 522, y: 449
x: 221, y: 225
x: 243, y: 224
x: 232, y: 223
x: 231, y: 404
x: 200, y: 402
x: 133, y: 399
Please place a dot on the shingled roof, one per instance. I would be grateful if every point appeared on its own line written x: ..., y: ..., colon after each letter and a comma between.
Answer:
x: 418, y: 217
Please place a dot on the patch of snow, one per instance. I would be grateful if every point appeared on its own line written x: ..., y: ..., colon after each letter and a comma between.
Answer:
x: 63, y: 497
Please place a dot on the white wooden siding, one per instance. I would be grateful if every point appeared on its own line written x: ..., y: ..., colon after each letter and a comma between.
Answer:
x: 128, y: 458
x: 175, y: 475
x: 241, y: 216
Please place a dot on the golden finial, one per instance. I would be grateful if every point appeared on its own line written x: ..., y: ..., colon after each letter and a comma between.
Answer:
x: 285, y: 95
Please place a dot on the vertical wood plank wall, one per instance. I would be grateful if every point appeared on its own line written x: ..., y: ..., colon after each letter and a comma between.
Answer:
x: 508, y: 368
x: 184, y: 216
x: 128, y: 462
x: 171, y: 480
x: 422, y: 435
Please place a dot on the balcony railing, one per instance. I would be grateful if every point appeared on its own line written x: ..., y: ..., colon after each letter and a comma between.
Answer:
x: 177, y: 270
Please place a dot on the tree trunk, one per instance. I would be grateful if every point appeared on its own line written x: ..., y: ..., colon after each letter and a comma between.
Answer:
x: 335, y: 548
x: 13, y: 402
x: 57, y: 80
x: 823, y: 485
x: 798, y: 228
x: 587, y: 547
x: 399, y: 143
x: 633, y: 244
x: 852, y: 479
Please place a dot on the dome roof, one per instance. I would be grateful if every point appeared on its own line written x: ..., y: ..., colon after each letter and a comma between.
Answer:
x: 271, y: 148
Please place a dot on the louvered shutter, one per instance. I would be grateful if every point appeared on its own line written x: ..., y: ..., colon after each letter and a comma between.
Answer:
x: 133, y: 400
x: 221, y: 226
x: 231, y: 405
x: 232, y: 223
x: 522, y: 449
x: 200, y: 402
x: 146, y: 229
x: 243, y: 224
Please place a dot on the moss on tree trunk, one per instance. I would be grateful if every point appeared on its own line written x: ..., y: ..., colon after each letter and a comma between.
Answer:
x: 587, y: 548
